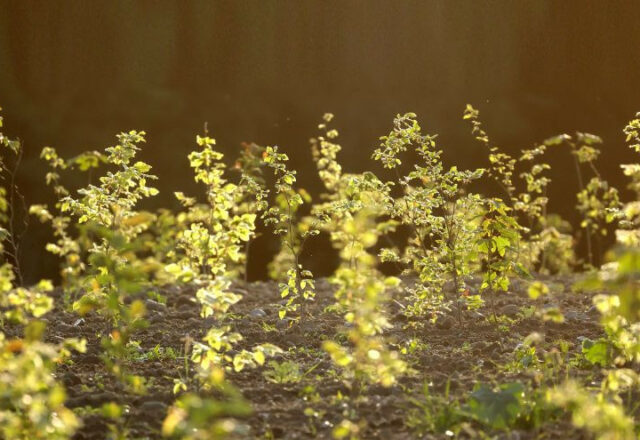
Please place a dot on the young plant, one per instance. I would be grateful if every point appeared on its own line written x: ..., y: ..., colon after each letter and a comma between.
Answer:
x: 531, y: 203
x: 11, y: 233
x: 250, y: 196
x: 620, y: 308
x: 431, y: 413
x: 282, y: 217
x: 608, y: 412
x: 72, y: 246
x: 353, y: 209
x: 536, y: 290
x: 193, y: 417
x: 508, y: 406
x: 283, y: 373
x: 436, y: 208
x: 528, y: 200
x: 31, y: 399
x: 598, y: 203
x: 499, y: 233
x: 368, y: 360
x: 629, y: 233
x: 114, y: 273
x: 601, y: 415
x: 213, y: 236
x: 556, y: 245
x: 212, y: 239
x: 501, y: 164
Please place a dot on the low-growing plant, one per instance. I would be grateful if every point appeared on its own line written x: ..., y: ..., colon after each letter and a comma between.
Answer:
x: 508, y: 406
x: 537, y: 290
x: 499, y: 232
x: 31, y: 399
x: 369, y: 359
x: 600, y: 415
x: 431, y: 413
x: 282, y: 217
x: 347, y: 429
x: 196, y: 418
x: 283, y: 372
x: 157, y: 353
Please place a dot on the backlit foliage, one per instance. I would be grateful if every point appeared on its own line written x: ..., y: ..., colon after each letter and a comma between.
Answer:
x: 31, y: 399
x: 452, y: 248
x: 214, y: 234
x: 212, y: 239
x: 598, y: 202
x: 281, y: 216
x: 353, y: 209
x: 438, y: 211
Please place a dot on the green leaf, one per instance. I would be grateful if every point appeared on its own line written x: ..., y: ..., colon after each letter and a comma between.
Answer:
x: 596, y: 352
x: 499, y: 408
x: 259, y: 357
x: 537, y: 289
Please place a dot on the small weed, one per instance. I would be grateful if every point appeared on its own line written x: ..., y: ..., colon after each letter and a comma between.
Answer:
x: 283, y: 373
x: 431, y: 413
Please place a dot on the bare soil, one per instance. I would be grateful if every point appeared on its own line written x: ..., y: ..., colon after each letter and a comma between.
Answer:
x: 462, y: 355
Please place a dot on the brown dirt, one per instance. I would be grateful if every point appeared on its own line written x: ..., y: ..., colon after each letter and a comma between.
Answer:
x: 464, y: 355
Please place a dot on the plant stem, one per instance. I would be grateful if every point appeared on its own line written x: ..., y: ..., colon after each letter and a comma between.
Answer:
x: 581, y: 187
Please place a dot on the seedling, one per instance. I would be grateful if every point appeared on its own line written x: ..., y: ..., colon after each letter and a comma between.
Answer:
x: 72, y: 246
x: 283, y: 372
x: 499, y: 232
x: 113, y: 275
x: 370, y: 360
x: 214, y: 237
x: 354, y: 206
x: 282, y: 217
x: 432, y: 413
x: 598, y: 202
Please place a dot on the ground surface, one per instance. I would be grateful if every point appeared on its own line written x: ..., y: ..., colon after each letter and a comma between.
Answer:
x: 464, y: 355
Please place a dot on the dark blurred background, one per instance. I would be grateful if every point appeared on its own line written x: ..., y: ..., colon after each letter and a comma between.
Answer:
x: 75, y: 73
